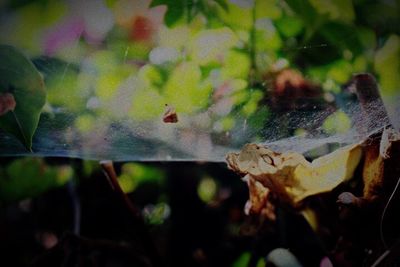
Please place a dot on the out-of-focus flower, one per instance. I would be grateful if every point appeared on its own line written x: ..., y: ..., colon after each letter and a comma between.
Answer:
x: 141, y: 21
x: 91, y: 19
x: 289, y: 79
x: 222, y: 90
x: 228, y: 87
x: 212, y: 45
x: 23, y: 26
x: 161, y: 55
x: 223, y: 96
x: 222, y: 107
x: 326, y: 262
x: 62, y: 35
x: 290, y: 90
x: 177, y: 37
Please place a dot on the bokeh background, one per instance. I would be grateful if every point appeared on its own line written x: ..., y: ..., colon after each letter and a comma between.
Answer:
x: 236, y: 71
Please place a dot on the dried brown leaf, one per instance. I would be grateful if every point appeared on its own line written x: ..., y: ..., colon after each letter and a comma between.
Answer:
x: 170, y: 115
x: 379, y: 162
x: 289, y: 175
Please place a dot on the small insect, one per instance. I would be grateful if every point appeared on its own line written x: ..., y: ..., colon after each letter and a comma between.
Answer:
x: 170, y: 115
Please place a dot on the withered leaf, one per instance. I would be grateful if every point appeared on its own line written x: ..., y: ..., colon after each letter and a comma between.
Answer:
x: 258, y: 196
x: 258, y: 160
x: 170, y: 115
x: 380, y: 163
x: 290, y: 175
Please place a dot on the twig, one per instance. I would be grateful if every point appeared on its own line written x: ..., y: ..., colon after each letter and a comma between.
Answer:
x: 76, y: 206
x: 373, y: 112
x: 252, y: 45
x: 109, y: 171
x: 384, y: 213
x: 149, y: 246
x: 380, y: 259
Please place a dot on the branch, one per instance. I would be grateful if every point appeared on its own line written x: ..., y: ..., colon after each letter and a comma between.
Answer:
x: 147, y: 241
x: 373, y: 112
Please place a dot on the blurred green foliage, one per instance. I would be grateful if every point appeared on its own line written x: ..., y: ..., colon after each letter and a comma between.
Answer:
x: 194, y: 54
x: 30, y: 177
x: 244, y: 260
x: 338, y: 122
x: 134, y: 174
x: 156, y: 214
x: 207, y: 189
x: 125, y: 59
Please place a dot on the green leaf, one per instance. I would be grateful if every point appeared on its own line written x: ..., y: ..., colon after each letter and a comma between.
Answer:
x: 185, y: 90
x: 267, y: 9
x: 304, y: 10
x: 20, y: 78
x: 30, y: 177
x: 342, y: 36
x: 175, y: 9
x: 136, y: 174
x: 338, y: 122
x: 387, y: 65
x: 223, y: 4
x: 341, y: 10
x: 236, y: 65
x: 367, y: 37
x: 243, y: 260
x: 340, y: 71
x: 207, y: 189
x: 289, y: 26
x: 238, y: 18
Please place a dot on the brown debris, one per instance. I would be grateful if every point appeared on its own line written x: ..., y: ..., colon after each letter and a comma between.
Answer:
x: 258, y: 202
x: 289, y: 176
x: 372, y: 110
x: 380, y: 169
x: 170, y: 115
x: 290, y: 90
x: 7, y: 103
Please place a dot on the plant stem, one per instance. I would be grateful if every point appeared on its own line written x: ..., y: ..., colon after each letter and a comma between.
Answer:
x: 252, y: 46
x: 188, y: 9
x: 76, y: 206
x: 147, y: 241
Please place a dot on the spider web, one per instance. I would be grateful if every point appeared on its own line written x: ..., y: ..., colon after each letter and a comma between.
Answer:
x: 118, y: 137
